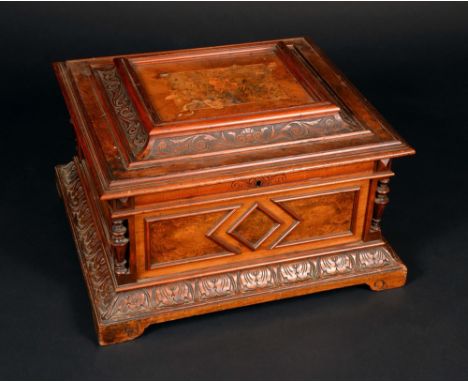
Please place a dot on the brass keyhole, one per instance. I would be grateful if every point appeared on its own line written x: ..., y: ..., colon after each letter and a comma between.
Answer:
x: 258, y: 183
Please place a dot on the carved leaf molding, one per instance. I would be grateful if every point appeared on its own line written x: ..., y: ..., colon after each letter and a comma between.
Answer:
x: 126, y: 114
x: 168, y: 147
x: 249, y: 137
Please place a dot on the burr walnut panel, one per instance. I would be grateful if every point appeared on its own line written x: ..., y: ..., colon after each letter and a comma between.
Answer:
x: 267, y: 78
x: 259, y: 225
x: 254, y: 227
x: 219, y: 85
x: 175, y: 238
x: 318, y: 216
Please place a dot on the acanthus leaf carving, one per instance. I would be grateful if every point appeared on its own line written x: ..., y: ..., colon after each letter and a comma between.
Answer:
x: 372, y: 259
x: 90, y: 248
x: 336, y: 264
x: 216, y: 286
x: 173, y: 294
x: 257, y: 278
x: 130, y: 302
x: 297, y: 271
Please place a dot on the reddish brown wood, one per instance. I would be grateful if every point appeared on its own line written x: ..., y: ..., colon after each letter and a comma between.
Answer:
x: 381, y: 200
x: 167, y: 237
x: 120, y: 244
x: 213, y: 178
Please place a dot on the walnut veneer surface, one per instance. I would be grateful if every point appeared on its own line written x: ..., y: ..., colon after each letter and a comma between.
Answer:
x: 213, y: 178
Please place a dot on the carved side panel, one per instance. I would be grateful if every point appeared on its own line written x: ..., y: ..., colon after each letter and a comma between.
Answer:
x: 96, y: 267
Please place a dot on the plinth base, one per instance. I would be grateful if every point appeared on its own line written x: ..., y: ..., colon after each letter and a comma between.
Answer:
x: 122, y: 315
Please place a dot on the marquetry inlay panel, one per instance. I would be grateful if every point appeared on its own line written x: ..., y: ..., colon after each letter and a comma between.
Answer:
x: 215, y: 85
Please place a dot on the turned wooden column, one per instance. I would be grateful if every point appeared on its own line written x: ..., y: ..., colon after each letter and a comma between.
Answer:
x: 120, y: 244
x: 381, y: 200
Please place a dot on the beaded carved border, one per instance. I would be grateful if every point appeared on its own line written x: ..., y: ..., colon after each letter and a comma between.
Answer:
x: 112, y: 306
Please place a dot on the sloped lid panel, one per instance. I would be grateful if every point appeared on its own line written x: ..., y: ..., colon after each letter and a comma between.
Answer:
x: 146, y: 118
x: 217, y: 101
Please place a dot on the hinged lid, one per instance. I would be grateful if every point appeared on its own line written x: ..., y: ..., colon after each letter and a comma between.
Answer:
x: 151, y: 118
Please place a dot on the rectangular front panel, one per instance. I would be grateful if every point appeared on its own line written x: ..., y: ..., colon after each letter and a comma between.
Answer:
x: 319, y: 216
x: 184, y: 237
x: 231, y: 231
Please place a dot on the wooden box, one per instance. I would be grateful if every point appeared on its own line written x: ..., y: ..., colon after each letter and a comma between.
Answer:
x: 213, y: 178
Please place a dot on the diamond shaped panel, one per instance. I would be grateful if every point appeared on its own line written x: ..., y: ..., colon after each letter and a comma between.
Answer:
x: 254, y: 227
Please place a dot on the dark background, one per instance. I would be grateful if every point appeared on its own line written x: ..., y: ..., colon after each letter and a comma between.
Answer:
x: 410, y: 60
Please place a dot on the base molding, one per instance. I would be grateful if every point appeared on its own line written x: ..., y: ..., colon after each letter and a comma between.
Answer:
x: 123, y: 315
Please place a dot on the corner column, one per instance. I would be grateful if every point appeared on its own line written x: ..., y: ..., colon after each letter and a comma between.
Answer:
x: 120, y: 244
x: 380, y: 202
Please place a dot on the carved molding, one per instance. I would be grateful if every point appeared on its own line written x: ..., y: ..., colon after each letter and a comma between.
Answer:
x: 216, y: 286
x: 250, y: 137
x: 111, y: 306
x: 126, y: 114
x: 169, y: 147
x: 90, y: 248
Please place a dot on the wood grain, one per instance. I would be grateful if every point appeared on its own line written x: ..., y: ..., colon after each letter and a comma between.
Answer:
x: 319, y: 216
x: 123, y: 314
x: 213, y: 178
x: 184, y: 236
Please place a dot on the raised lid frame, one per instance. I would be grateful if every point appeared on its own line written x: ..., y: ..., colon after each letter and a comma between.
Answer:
x: 119, y: 171
x: 315, y: 101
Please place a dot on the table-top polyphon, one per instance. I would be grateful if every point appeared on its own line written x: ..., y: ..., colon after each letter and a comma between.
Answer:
x: 156, y: 117
x: 209, y: 179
